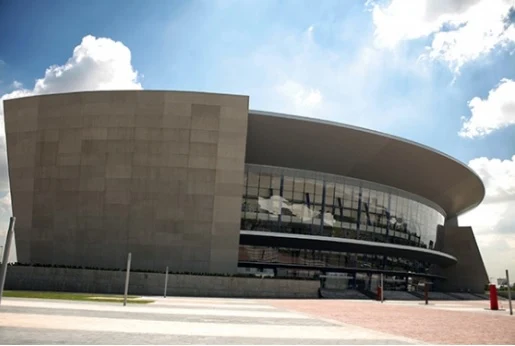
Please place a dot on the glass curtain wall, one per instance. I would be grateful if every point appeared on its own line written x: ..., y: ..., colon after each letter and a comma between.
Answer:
x: 303, y: 202
x: 327, y: 259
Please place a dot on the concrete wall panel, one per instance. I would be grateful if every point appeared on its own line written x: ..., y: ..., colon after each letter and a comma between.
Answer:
x: 97, y: 174
x: 469, y: 274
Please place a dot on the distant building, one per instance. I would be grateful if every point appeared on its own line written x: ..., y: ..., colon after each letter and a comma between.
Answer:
x: 502, y: 282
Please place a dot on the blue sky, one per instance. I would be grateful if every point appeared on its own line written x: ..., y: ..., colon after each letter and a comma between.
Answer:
x: 213, y: 46
x: 333, y: 60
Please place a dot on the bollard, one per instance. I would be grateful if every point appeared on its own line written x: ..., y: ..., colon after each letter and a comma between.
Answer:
x: 509, y: 291
x: 127, y: 275
x: 426, y: 293
x: 494, y: 304
x: 379, y: 293
x: 166, y: 282
x: 382, y: 288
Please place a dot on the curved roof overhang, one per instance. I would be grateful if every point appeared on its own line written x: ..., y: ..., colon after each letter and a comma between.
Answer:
x: 321, y: 146
x: 303, y: 241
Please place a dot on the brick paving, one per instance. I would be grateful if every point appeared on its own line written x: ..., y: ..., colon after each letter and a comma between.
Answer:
x: 450, y: 322
x: 175, y: 321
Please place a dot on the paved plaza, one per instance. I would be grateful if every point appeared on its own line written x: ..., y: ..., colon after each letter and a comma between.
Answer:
x: 440, y: 322
x: 241, y: 321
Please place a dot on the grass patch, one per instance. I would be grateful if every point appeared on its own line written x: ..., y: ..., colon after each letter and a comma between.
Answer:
x: 91, y: 297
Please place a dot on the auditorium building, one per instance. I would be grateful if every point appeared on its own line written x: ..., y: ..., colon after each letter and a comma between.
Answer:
x: 201, y: 184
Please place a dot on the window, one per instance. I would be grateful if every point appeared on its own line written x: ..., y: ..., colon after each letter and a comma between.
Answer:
x: 285, y: 200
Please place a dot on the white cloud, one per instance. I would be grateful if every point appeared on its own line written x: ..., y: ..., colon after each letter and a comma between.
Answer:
x: 295, y: 73
x: 96, y: 64
x: 5, y: 205
x: 17, y: 85
x: 493, y: 221
x: 460, y: 30
x: 495, y: 112
x: 298, y: 96
x: 498, y: 177
x: 5, y: 201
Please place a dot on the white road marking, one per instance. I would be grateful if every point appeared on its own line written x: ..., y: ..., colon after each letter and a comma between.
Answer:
x: 285, y: 331
x: 151, y: 309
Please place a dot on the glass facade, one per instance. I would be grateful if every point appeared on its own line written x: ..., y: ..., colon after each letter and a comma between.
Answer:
x: 304, y: 202
x: 327, y: 259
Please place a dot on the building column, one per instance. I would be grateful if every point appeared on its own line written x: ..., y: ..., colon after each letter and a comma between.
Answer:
x: 469, y: 273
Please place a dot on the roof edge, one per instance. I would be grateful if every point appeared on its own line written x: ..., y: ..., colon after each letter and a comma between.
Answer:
x: 378, y: 133
x: 123, y: 90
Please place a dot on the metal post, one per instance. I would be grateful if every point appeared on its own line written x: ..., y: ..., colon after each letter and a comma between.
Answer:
x: 7, y: 249
x: 382, y: 288
x: 166, y: 281
x: 509, y: 291
x: 127, y: 279
x: 426, y: 292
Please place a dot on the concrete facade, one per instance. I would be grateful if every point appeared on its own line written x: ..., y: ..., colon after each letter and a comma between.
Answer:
x: 469, y: 273
x: 95, y: 175
x: 112, y: 282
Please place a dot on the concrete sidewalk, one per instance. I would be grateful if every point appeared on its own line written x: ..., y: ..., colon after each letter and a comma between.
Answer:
x: 175, y: 321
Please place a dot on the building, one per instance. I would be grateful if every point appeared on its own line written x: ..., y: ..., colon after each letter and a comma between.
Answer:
x: 197, y: 182
x: 502, y: 282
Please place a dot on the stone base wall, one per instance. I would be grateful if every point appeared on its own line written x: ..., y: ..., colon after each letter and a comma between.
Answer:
x: 112, y: 282
x: 504, y: 294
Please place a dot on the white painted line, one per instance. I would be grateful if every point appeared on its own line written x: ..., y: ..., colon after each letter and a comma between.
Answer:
x: 151, y: 309
x: 215, y: 305
x: 188, y: 328
x: 203, y: 300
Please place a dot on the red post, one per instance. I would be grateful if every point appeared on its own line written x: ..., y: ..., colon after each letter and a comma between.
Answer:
x: 494, y: 304
x: 378, y: 292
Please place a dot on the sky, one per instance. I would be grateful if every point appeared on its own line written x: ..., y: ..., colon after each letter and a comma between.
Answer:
x: 441, y: 73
